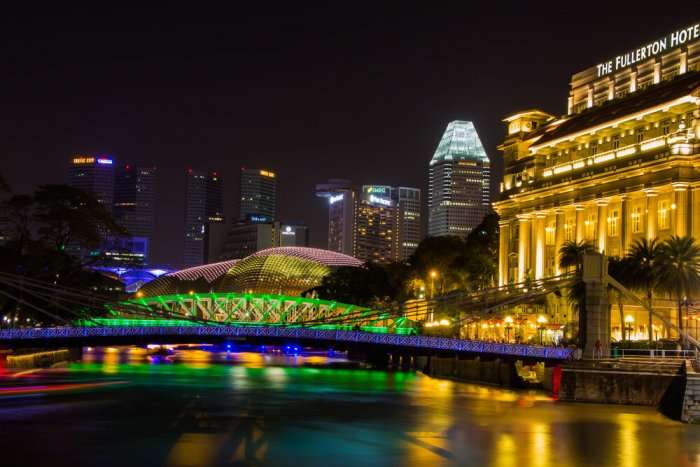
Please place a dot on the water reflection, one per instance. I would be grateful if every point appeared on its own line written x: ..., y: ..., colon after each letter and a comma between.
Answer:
x: 198, y: 406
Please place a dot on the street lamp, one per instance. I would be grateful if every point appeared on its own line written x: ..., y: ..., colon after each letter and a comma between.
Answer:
x: 541, y: 321
x: 509, y: 324
x: 629, y: 320
x: 433, y: 275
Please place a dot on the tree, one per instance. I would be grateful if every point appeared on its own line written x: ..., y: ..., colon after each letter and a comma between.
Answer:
x: 642, y: 272
x: 66, y: 215
x: 571, y: 256
x: 680, y: 270
x: 370, y: 286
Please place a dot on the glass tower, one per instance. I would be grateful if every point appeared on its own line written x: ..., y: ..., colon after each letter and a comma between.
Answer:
x: 203, y: 206
x: 459, y: 174
x: 258, y: 195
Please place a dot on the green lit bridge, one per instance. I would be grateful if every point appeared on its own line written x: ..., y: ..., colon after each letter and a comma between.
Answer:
x: 215, y: 317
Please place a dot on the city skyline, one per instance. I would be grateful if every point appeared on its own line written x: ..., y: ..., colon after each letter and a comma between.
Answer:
x: 418, y: 110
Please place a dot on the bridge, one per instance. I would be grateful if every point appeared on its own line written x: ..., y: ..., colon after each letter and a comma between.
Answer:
x: 97, y: 320
x: 186, y: 331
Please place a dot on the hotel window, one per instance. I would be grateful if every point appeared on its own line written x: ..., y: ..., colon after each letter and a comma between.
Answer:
x: 568, y: 231
x: 663, y: 215
x: 590, y: 225
x: 550, y: 234
x: 612, y: 223
x: 616, y: 142
x: 665, y: 127
x: 594, y: 148
x: 636, y: 219
x: 640, y: 135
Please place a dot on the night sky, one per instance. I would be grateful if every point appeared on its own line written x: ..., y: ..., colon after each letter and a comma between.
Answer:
x: 310, y: 92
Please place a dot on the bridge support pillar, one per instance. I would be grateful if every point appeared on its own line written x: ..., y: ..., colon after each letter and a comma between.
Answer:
x: 594, y: 321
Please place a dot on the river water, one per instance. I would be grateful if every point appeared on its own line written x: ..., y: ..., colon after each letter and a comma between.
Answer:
x: 257, y: 409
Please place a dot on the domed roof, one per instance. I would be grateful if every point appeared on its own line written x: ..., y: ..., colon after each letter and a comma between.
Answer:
x: 209, y: 272
x: 191, y: 277
x: 287, y: 270
x: 325, y: 257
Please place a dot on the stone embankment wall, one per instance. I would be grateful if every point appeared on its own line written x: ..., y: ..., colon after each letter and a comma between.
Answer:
x: 645, y: 382
x: 500, y: 372
x: 691, y: 396
x: 38, y: 359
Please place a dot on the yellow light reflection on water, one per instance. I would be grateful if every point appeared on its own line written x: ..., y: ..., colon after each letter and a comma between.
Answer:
x: 506, y: 454
x: 540, y: 445
x: 629, y: 444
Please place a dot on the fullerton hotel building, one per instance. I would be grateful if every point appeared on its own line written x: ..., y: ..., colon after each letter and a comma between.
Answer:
x: 621, y: 165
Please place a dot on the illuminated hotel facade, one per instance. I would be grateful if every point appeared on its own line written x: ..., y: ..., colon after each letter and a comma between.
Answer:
x: 623, y: 164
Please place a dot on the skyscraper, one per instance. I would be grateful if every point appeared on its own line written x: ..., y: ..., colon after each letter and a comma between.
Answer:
x: 134, y: 198
x: 341, y: 196
x: 459, y: 182
x: 408, y: 201
x: 378, y: 223
x: 94, y: 174
x: 203, y: 206
x: 258, y: 195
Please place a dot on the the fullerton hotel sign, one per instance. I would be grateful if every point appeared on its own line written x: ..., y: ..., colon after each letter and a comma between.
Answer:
x: 671, y: 41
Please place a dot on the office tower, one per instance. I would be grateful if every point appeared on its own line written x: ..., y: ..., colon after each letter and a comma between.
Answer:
x: 376, y: 225
x: 214, y: 205
x: 459, y: 173
x: 408, y: 201
x: 203, y: 206
x: 94, y: 174
x: 341, y: 196
x: 258, y: 195
x: 134, y: 208
x: 246, y: 238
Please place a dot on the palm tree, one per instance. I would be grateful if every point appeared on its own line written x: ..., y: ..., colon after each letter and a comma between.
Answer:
x: 643, y: 271
x: 680, y: 271
x: 571, y: 255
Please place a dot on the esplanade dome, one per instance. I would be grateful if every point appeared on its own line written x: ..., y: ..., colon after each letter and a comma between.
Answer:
x: 281, y: 270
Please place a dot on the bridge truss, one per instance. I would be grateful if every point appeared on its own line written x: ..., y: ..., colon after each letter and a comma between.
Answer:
x: 260, y: 309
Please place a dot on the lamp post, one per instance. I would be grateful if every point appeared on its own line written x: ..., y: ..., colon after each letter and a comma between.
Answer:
x: 433, y: 275
x: 509, y: 325
x: 541, y: 321
x: 629, y: 320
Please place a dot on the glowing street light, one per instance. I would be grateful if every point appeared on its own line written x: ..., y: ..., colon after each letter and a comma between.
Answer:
x: 509, y: 325
x: 541, y: 321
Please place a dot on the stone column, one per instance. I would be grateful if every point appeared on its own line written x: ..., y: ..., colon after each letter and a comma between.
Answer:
x: 558, y: 239
x: 594, y: 323
x: 695, y: 212
x: 602, y: 228
x: 633, y: 80
x: 683, y: 63
x: 625, y: 229
x: 503, y: 245
x: 589, y: 97
x: 539, y: 245
x: 579, y: 223
x: 523, y: 245
x: 657, y: 71
x: 651, y: 213
x: 680, y: 213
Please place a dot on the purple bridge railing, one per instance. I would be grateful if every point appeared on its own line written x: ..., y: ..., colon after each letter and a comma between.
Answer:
x: 418, y: 342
